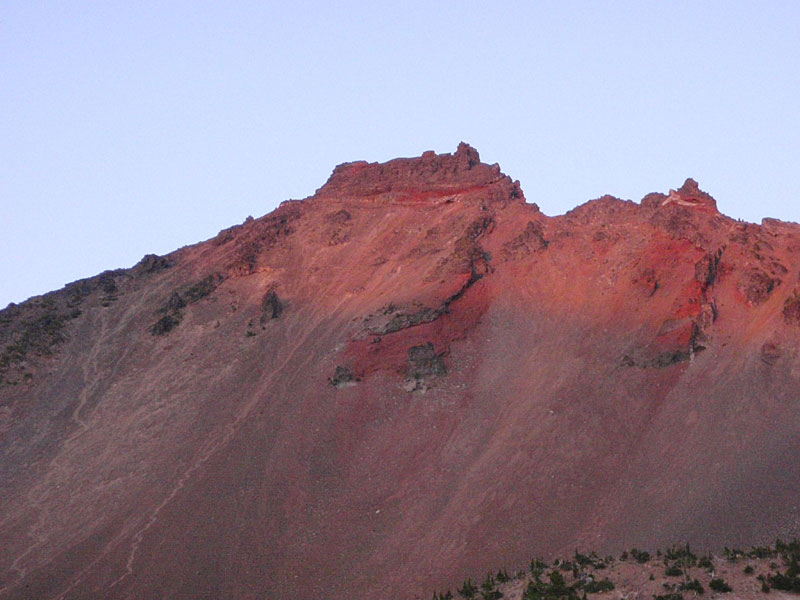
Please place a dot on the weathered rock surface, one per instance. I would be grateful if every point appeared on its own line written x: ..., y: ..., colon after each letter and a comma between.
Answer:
x: 622, y: 375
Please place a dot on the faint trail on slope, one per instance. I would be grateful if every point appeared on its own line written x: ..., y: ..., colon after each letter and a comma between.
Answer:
x: 90, y: 372
x: 34, y: 497
x: 211, y: 449
x: 84, y: 426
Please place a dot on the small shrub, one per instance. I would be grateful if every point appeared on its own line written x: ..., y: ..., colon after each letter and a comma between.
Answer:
x: 761, y: 552
x: 682, y: 554
x: 794, y: 567
x: 640, y: 556
x: 604, y: 585
x: 673, y: 571
x: 748, y: 570
x: 537, y: 567
x: 468, y: 590
x: 732, y: 554
x: 557, y: 579
x: 784, y: 582
x: 489, y: 583
x: 718, y: 585
x: 692, y: 586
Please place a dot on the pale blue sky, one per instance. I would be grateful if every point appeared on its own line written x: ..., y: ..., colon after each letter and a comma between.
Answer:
x: 135, y: 127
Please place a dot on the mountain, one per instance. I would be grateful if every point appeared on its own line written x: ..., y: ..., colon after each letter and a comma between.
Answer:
x: 409, y: 377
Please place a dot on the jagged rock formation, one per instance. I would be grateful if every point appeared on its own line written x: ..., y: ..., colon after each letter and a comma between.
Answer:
x: 411, y: 376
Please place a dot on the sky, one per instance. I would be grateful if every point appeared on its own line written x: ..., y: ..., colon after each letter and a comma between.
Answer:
x: 129, y: 128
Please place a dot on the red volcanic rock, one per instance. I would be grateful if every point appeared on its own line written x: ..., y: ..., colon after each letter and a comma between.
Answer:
x: 689, y: 195
x: 408, y: 378
x: 431, y: 177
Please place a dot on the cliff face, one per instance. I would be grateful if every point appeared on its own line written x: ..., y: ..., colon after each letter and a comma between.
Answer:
x: 408, y: 377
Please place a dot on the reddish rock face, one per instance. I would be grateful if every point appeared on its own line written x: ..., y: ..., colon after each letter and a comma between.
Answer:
x: 410, y: 377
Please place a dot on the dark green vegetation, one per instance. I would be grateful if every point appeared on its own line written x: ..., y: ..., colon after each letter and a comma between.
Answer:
x: 574, y: 578
x: 718, y: 585
x: 692, y: 585
x: 786, y: 579
x: 673, y: 571
x: 556, y: 587
x: 547, y: 581
x: 789, y: 579
x: 639, y: 556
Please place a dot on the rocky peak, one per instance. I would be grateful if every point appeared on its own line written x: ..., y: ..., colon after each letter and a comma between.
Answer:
x: 690, y: 195
x: 426, y: 177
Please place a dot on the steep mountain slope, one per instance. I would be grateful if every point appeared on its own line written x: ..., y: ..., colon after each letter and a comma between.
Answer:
x: 408, y: 377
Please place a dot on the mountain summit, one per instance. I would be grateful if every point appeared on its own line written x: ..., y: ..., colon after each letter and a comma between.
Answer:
x: 407, y: 378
